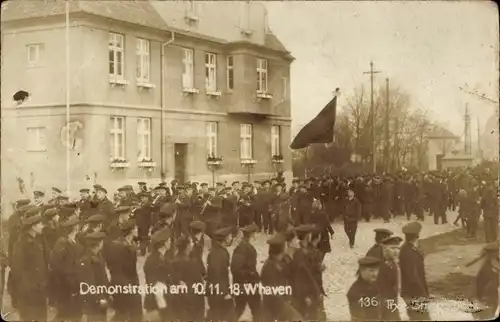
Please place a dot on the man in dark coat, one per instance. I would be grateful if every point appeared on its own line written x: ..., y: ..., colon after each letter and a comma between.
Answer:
x: 64, y: 272
x: 304, y: 204
x: 377, y: 249
x: 274, y: 273
x: 388, y: 279
x: 363, y: 295
x: 222, y: 304
x: 184, y: 203
x: 158, y: 272
x: 103, y: 205
x: 245, y: 207
x: 114, y: 232
x: 123, y: 271
x: 228, y: 210
x: 92, y: 272
x: 414, y: 289
x: 29, y: 263
x: 487, y: 283
x: 85, y: 205
x: 211, y: 211
x: 143, y: 218
x: 352, y: 214
x: 489, y: 205
x: 198, y: 237
x: 321, y: 220
x: 244, y: 271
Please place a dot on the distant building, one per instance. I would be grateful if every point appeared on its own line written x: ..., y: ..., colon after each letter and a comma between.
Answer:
x: 490, y: 139
x: 441, y: 142
x: 155, y: 87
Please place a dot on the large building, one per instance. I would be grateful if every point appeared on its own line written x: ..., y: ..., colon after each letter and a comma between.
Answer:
x: 154, y: 88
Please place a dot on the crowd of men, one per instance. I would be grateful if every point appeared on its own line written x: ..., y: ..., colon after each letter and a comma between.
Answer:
x: 56, y: 245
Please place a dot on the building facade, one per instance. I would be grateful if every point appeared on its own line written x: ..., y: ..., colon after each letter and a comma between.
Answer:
x: 153, y: 89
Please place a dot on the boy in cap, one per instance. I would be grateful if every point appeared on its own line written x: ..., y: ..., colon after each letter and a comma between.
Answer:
x: 413, y: 282
x: 244, y: 271
x: 197, y: 235
x: 158, y: 272
x: 51, y: 231
x: 92, y: 271
x: 189, y: 306
x: 377, y: 249
x: 218, y: 261
x: 123, y: 271
x: 363, y: 295
x: 30, y: 276
x: 388, y: 278
x: 38, y: 198
x: 307, y: 292
x: 277, y: 307
x: 64, y: 261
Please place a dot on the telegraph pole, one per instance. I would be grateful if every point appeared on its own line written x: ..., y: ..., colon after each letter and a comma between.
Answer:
x: 467, y: 134
x: 372, y: 111
x: 479, y: 152
x: 387, y: 102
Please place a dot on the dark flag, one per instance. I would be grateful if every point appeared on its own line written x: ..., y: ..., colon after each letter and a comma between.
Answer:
x: 319, y: 129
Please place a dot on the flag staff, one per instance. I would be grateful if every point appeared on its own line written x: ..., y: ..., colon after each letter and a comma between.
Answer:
x: 68, y: 148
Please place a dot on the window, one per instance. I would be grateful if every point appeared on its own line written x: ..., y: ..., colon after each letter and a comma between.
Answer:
x: 210, y: 72
x: 142, y: 59
x: 33, y: 52
x: 285, y: 87
x: 275, y: 140
x: 212, y: 138
x: 246, y: 151
x: 116, y: 63
x: 187, y: 68
x: 117, y: 137
x: 144, y: 139
x: 261, y: 75
x: 230, y: 73
x: 36, y: 139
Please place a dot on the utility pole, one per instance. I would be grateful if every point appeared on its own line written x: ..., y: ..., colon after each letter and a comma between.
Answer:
x: 372, y: 111
x: 387, y: 102
x: 467, y: 134
x: 479, y: 152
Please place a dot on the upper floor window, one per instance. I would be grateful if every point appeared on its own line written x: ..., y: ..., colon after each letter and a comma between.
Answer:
x: 187, y: 68
x: 246, y: 141
x: 230, y: 73
x: 34, y: 54
x: 116, y: 56
x: 117, y: 137
x: 212, y: 131
x: 36, y: 139
x: 210, y: 72
x: 142, y: 59
x: 261, y: 75
x: 144, y: 139
x: 285, y: 87
x: 275, y: 140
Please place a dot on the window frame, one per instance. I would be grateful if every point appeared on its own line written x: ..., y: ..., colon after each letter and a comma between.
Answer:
x: 262, y: 75
x: 114, y: 132
x: 187, y: 63
x: 275, y: 140
x: 116, y: 44
x: 144, y: 130
x: 35, y: 62
x: 210, y: 72
x: 40, y: 138
x: 230, y: 72
x: 246, y: 141
x: 143, y: 60
x: 212, y: 135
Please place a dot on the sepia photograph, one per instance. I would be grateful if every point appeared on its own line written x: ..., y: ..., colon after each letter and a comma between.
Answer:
x: 224, y: 161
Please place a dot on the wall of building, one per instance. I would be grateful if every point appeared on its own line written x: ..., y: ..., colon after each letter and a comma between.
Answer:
x: 456, y: 163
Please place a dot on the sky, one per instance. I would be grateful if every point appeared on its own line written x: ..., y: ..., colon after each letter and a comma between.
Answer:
x: 429, y: 49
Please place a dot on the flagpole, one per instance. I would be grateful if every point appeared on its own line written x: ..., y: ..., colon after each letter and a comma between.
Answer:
x: 68, y: 148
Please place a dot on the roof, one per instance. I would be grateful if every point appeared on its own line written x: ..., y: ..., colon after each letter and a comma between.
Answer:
x: 272, y: 42
x: 135, y: 12
x: 458, y: 157
x: 441, y: 133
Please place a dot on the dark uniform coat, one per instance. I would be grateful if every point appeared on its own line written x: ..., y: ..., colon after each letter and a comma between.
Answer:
x: 413, y: 281
x: 388, y: 280
x: 92, y: 271
x: 376, y: 251
x: 157, y: 269
x: 31, y: 271
x: 218, y: 277
x: 363, y: 299
x: 189, y: 306
x: 320, y: 218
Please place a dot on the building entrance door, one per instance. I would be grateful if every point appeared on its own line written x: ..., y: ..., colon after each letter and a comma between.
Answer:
x: 180, y: 164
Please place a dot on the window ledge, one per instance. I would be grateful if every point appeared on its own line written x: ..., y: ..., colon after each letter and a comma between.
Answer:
x: 36, y: 150
x: 214, y: 93
x: 119, y: 165
x: 264, y: 95
x: 277, y: 161
x: 247, y: 32
x: 191, y: 17
x: 117, y: 81
x: 189, y: 90
x: 145, y: 84
x: 147, y: 164
x: 248, y: 161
